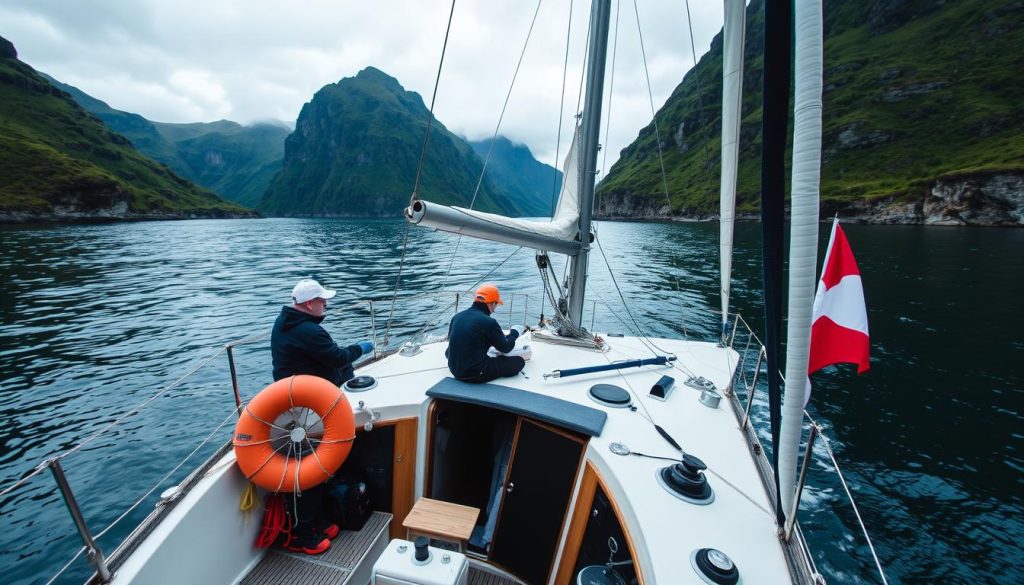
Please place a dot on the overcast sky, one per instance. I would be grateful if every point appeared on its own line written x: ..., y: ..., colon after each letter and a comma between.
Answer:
x: 252, y: 60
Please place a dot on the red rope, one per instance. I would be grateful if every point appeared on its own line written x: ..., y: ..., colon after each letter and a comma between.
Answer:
x: 275, y: 521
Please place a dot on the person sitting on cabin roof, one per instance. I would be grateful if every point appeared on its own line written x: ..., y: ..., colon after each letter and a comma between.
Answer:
x: 299, y: 345
x: 472, y: 332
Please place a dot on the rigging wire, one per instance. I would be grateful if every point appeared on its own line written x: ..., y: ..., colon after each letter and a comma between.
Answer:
x: 611, y: 93
x: 654, y: 114
x: 700, y: 95
x: 433, y: 99
x: 419, y: 174
x: 643, y: 338
x: 430, y: 322
x: 504, y: 107
x: 494, y: 138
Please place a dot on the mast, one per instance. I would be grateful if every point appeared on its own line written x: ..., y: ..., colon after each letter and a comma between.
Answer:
x: 732, y: 102
x: 600, y: 15
x: 773, y: 181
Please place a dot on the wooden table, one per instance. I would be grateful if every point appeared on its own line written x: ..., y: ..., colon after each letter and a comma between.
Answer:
x: 441, y: 521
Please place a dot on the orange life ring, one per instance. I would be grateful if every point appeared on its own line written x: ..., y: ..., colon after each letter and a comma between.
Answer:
x: 282, y: 457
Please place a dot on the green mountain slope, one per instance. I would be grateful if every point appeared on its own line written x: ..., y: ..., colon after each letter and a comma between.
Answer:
x: 355, y: 151
x: 235, y: 161
x: 142, y: 133
x: 59, y: 162
x: 921, y: 98
x: 531, y: 183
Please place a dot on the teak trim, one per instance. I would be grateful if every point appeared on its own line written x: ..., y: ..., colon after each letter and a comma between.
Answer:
x: 403, y: 471
x: 580, y: 516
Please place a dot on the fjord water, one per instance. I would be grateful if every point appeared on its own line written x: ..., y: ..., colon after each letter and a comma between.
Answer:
x: 97, y: 318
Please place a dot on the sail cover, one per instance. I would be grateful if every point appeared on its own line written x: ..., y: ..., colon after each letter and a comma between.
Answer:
x: 564, y: 223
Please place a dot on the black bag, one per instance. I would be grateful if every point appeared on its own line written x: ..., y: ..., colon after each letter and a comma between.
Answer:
x: 348, y: 503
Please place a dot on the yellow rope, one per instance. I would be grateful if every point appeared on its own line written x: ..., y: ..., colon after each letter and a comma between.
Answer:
x: 249, y: 499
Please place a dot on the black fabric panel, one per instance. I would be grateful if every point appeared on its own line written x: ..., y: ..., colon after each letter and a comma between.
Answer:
x: 561, y: 413
x: 775, y: 122
x: 537, y: 496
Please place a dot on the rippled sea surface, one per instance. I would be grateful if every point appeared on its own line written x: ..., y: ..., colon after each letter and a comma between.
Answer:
x: 97, y: 319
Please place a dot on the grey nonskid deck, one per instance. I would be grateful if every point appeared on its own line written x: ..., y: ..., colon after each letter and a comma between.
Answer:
x: 484, y: 578
x: 336, y: 565
x: 333, y: 567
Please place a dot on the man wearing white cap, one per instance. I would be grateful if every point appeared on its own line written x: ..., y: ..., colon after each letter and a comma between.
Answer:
x: 299, y: 345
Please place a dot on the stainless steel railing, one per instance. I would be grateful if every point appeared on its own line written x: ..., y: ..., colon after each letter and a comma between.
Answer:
x: 745, y: 377
x: 748, y: 379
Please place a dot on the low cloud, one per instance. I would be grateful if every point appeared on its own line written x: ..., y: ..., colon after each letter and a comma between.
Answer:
x: 200, y: 61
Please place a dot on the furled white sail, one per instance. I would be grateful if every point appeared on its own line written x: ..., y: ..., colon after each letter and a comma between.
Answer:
x: 732, y: 101
x: 803, y: 241
x: 564, y: 223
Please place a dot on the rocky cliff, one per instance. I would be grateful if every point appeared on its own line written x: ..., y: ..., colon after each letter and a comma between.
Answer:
x: 355, y: 153
x: 923, y: 120
x: 59, y: 163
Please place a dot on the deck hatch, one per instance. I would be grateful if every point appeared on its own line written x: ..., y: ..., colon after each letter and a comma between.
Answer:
x: 561, y: 413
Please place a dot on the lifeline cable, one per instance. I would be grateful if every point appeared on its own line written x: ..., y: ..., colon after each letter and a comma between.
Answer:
x: 433, y: 319
x: 44, y: 465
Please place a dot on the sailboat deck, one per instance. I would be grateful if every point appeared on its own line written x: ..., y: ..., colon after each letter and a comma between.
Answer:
x: 332, y: 567
x: 664, y: 530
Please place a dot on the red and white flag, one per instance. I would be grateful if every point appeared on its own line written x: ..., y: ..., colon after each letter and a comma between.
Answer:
x: 839, y: 321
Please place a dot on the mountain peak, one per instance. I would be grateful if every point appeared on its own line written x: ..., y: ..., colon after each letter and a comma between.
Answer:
x: 7, y: 50
x: 374, y: 75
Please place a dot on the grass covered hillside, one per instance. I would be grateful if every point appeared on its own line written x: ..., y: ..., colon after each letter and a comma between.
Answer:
x: 918, y: 94
x: 59, y: 162
x: 237, y: 162
x: 355, y: 152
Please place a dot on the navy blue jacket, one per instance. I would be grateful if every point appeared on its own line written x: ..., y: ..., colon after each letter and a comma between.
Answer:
x: 470, y: 334
x: 299, y: 345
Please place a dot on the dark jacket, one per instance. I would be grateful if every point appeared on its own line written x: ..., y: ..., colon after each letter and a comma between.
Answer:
x: 470, y: 334
x: 299, y: 345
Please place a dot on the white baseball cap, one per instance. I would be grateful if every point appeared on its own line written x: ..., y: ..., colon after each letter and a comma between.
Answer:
x: 308, y: 289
